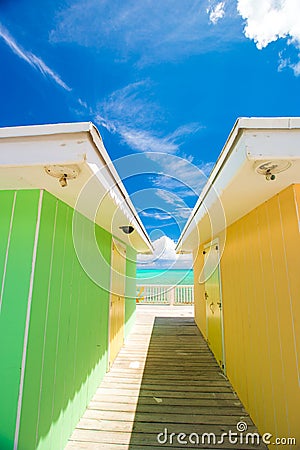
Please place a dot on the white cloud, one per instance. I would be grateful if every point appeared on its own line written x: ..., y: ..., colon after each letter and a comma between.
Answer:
x: 176, y: 184
x: 216, y: 12
x: 269, y: 20
x: 146, y: 141
x: 180, y: 181
x: 286, y: 63
x: 131, y: 105
x: 135, y: 29
x: 175, y: 205
x: 283, y: 62
x: 33, y: 60
x: 172, y: 184
x: 83, y: 103
x: 192, y: 177
x: 156, y: 215
x: 130, y: 113
x: 164, y: 256
x: 296, y: 68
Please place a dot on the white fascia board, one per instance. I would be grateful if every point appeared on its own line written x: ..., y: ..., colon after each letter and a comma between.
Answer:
x: 25, y: 146
x: 30, y: 155
x: 265, y: 144
x: 44, y: 130
x: 245, y: 133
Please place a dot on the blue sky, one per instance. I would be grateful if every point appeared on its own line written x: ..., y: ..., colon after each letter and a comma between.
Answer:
x: 164, y: 81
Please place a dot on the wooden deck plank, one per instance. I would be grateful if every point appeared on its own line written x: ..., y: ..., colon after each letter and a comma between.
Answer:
x: 166, y: 408
x: 105, y: 446
x: 108, y: 425
x: 210, y: 401
x: 164, y: 377
x: 142, y: 439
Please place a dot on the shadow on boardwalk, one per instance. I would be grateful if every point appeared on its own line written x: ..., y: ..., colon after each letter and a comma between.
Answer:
x: 164, y: 382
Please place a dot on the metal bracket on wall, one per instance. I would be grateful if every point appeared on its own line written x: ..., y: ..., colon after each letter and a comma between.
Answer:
x: 63, y: 173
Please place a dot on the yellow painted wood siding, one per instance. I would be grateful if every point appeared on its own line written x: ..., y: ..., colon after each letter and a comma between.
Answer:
x: 117, y: 300
x: 261, y: 293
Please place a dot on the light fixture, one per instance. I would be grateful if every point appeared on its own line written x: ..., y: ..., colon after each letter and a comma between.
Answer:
x: 271, y: 168
x: 63, y: 173
x: 63, y: 180
x: 127, y: 229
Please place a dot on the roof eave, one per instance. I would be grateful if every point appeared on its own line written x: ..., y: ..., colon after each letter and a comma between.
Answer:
x: 240, y: 126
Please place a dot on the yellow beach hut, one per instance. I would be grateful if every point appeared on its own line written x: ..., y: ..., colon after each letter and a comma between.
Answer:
x: 244, y: 235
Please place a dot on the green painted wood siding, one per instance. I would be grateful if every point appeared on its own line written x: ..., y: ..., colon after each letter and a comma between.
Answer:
x: 18, y: 222
x: 66, y: 354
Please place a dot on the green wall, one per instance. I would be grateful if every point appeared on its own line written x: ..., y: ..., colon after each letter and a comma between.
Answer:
x: 18, y: 219
x: 67, y: 347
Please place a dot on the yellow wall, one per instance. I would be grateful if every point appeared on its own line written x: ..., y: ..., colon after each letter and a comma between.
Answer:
x: 261, y: 306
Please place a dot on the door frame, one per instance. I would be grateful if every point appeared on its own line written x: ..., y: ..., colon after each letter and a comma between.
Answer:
x: 114, y: 242
x: 215, y: 242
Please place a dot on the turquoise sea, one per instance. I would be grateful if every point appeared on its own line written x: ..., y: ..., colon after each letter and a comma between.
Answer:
x: 166, y: 276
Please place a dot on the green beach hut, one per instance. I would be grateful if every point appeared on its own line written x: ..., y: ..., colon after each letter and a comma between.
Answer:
x: 69, y: 236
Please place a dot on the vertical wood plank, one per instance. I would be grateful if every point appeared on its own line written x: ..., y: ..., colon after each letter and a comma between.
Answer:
x: 36, y: 339
x: 14, y: 303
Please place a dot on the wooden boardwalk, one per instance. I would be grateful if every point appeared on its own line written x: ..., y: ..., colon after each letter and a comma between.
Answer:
x: 164, y: 378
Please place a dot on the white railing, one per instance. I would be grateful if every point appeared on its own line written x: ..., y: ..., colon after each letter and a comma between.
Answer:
x: 165, y: 294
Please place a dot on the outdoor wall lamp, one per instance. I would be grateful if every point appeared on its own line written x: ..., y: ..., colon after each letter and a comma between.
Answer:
x: 127, y: 229
x: 270, y: 176
x: 270, y: 168
x: 63, y: 173
x: 63, y: 180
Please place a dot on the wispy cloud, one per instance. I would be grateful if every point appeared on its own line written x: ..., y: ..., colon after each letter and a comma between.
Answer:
x: 131, y: 104
x: 146, y: 141
x: 135, y: 29
x: 287, y: 63
x: 132, y: 114
x: 176, y: 205
x: 29, y: 57
x: 179, y: 184
x: 177, y: 178
x: 216, y: 12
x: 166, y: 184
x: 156, y: 215
x: 296, y: 68
x: 185, y: 175
x: 83, y: 103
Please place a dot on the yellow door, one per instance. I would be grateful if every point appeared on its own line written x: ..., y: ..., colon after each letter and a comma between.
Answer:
x: 117, y: 300
x: 214, y: 322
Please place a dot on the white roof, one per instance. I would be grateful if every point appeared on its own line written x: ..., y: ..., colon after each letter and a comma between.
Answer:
x: 237, y: 183
x: 29, y: 154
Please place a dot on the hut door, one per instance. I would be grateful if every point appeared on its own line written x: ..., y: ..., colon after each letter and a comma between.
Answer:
x: 213, y: 298
x: 117, y: 300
